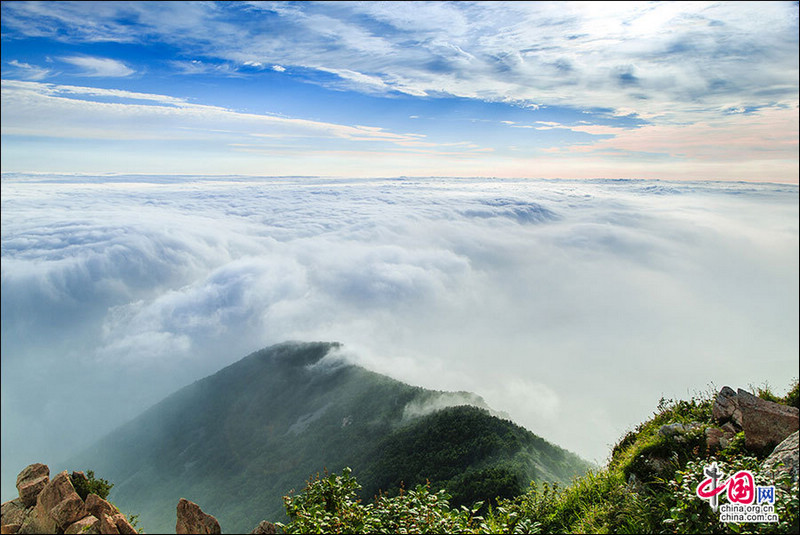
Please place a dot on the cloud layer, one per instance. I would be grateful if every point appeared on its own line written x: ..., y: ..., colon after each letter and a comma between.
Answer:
x: 650, y: 57
x: 571, y: 305
x: 513, y: 89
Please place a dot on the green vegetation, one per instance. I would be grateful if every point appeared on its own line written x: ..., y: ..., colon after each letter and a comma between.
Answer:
x: 472, y: 455
x: 792, y: 398
x: 330, y: 504
x: 91, y: 485
x: 648, y: 487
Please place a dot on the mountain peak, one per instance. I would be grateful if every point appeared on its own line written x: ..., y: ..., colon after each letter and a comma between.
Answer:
x: 295, y: 353
x: 260, y: 427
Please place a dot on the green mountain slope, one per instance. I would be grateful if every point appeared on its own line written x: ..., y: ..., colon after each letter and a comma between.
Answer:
x: 237, y: 441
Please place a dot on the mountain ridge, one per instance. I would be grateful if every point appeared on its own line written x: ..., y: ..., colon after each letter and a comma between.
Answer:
x: 240, y: 439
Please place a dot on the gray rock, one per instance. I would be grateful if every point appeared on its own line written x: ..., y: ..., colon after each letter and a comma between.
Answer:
x: 726, y: 407
x: 191, y: 519
x: 12, y: 512
x: 669, y: 430
x: 95, y: 505
x: 123, y: 526
x: 265, y: 528
x: 784, y: 459
x: 60, y: 502
x: 765, y: 423
x: 714, y: 436
x: 107, y: 526
x: 730, y: 429
x: 10, y: 528
x: 29, y: 489
x: 30, y: 482
x: 87, y: 524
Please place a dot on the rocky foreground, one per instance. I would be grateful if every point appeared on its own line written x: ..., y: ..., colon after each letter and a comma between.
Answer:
x: 54, y: 506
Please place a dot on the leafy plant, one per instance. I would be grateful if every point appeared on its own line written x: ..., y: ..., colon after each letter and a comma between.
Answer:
x: 330, y: 504
x: 91, y: 485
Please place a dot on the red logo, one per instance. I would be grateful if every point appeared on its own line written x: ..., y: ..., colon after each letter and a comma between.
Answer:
x: 741, y: 486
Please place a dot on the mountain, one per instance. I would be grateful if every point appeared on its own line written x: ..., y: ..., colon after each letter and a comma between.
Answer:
x: 237, y: 441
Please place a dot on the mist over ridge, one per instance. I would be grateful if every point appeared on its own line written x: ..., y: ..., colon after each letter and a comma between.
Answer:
x: 570, y: 305
x: 242, y: 438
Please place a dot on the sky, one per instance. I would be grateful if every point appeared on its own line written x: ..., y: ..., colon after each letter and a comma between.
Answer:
x: 669, y: 90
x: 570, y: 209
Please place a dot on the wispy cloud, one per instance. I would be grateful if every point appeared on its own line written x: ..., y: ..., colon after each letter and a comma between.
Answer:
x: 99, y: 67
x: 28, y: 71
x: 650, y: 57
x: 35, y: 109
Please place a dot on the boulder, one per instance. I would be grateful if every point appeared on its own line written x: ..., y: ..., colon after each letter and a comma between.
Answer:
x: 784, y: 459
x: 107, y: 525
x: 12, y: 512
x: 726, y: 407
x: 29, y: 490
x: 714, y: 436
x: 87, y: 524
x: 265, y: 528
x: 31, y: 481
x: 37, y: 520
x: 59, y: 500
x: 669, y: 430
x: 765, y: 423
x: 95, y: 505
x: 123, y: 526
x: 678, y: 431
x: 33, y: 471
x: 191, y: 519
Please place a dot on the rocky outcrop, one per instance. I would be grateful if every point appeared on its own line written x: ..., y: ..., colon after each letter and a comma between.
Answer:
x: 60, y: 502
x: 765, y: 423
x: 12, y: 514
x: 88, y: 524
x: 265, y: 528
x: 785, y: 459
x: 191, y: 519
x: 46, y: 506
x: 53, y: 506
x: 726, y: 407
x: 97, y: 506
x: 31, y: 481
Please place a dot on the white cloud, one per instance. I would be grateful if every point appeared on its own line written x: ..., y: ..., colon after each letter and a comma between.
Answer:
x: 683, y: 60
x: 28, y: 71
x: 556, y: 301
x: 35, y: 109
x: 99, y: 67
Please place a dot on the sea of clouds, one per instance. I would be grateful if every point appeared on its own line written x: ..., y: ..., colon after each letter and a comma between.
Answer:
x: 572, y: 306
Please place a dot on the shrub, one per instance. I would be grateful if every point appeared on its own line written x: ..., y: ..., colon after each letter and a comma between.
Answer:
x: 329, y: 504
x: 91, y: 485
x: 792, y: 398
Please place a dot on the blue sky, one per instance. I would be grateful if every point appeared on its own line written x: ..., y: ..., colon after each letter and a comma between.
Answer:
x: 570, y: 90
